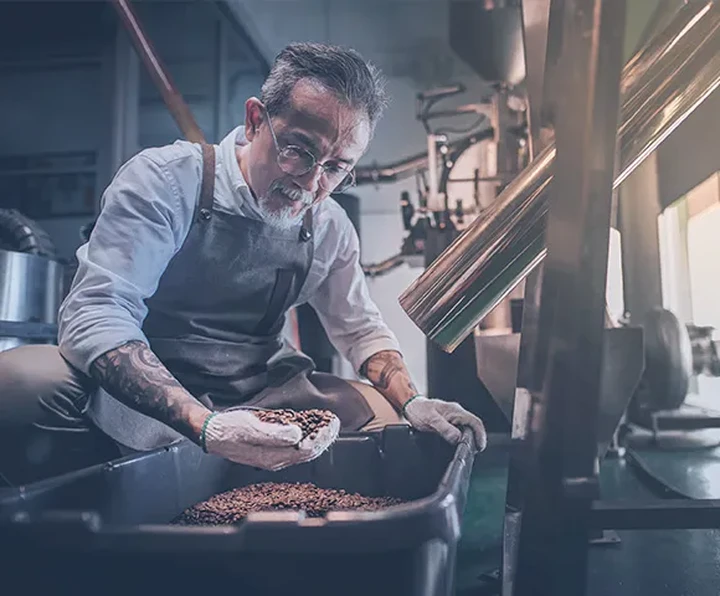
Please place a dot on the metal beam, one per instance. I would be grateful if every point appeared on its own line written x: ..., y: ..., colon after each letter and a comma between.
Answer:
x: 536, y: 17
x: 559, y: 471
x: 28, y: 330
x: 639, y: 209
x: 541, y: 73
x: 665, y: 514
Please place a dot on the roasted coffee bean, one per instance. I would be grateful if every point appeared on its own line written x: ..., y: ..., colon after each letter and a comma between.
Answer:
x: 309, y: 421
x: 233, y: 506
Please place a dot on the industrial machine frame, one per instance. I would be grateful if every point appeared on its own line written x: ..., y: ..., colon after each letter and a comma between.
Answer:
x: 552, y: 503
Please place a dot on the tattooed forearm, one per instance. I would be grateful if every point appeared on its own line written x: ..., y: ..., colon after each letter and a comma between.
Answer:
x: 133, y: 375
x: 388, y: 373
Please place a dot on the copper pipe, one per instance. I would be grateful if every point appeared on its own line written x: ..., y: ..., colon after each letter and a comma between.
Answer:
x: 660, y: 87
x: 407, y: 167
x: 158, y: 73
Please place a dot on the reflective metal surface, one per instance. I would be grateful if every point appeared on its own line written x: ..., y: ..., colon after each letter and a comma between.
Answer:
x: 685, y: 72
x: 660, y: 87
x: 662, y: 16
x: 535, y: 16
x: 487, y: 35
x: 30, y: 291
x: 496, y: 358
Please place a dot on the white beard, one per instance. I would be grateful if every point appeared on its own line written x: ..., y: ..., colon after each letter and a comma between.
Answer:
x: 279, y: 214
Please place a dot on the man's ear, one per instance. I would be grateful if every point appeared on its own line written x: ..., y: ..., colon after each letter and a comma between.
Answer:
x: 254, y: 115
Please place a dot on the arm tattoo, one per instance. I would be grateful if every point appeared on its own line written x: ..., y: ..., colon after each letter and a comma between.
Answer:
x: 134, y: 375
x: 388, y: 373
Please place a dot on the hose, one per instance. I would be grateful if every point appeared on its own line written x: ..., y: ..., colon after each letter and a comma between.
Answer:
x: 383, y: 267
x: 19, y: 233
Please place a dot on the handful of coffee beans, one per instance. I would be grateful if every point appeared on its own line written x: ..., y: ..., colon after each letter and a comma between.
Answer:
x: 309, y: 421
x: 234, y: 505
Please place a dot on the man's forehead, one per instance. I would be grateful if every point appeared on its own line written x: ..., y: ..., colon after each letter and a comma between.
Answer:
x: 317, y: 112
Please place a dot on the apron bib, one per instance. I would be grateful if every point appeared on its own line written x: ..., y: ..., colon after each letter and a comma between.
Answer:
x: 216, y: 323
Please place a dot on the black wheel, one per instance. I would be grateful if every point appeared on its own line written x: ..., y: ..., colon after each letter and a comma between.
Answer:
x: 668, y: 367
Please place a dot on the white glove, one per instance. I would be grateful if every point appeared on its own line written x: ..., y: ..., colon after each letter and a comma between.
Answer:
x: 241, y: 437
x: 444, y: 418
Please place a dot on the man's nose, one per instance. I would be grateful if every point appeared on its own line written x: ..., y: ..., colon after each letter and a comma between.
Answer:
x: 310, y: 180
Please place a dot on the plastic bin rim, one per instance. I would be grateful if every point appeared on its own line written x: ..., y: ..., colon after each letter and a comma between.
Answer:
x: 437, y: 502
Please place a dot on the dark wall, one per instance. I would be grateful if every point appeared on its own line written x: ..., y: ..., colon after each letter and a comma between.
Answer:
x: 453, y: 377
x: 59, y: 82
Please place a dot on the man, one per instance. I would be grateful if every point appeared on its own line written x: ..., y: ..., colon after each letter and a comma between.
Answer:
x: 175, y: 316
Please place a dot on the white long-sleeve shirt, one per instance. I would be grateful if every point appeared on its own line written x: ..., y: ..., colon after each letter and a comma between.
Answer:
x: 147, y: 212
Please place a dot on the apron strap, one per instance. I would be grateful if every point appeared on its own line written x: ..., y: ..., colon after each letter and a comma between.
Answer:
x: 207, y: 186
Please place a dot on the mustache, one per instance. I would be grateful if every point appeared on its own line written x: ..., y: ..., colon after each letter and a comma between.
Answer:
x: 296, y: 194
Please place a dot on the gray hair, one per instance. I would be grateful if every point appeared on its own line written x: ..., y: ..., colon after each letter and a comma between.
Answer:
x: 342, y: 71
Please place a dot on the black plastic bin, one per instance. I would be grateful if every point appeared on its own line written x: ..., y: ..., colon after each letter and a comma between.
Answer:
x: 105, y: 529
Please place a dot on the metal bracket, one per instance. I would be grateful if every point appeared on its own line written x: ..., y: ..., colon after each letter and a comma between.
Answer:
x: 28, y: 330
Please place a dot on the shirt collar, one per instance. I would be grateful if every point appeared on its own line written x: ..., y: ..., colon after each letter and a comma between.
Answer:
x: 231, y: 166
x: 241, y: 197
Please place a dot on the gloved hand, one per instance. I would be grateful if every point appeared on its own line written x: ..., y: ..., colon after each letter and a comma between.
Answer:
x: 445, y: 418
x: 241, y: 437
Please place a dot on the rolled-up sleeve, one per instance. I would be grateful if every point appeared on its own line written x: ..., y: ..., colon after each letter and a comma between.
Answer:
x: 346, y: 310
x: 142, y: 223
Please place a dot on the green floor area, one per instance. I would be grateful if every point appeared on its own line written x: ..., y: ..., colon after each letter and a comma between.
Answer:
x: 645, y: 563
x: 480, y: 545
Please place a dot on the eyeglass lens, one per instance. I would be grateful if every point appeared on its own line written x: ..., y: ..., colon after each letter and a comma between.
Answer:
x: 296, y: 162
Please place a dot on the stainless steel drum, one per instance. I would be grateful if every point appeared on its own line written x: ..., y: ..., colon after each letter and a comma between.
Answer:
x: 30, y: 292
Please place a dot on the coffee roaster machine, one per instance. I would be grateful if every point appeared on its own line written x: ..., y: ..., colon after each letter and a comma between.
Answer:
x: 459, y: 179
x: 475, y: 147
x: 567, y: 379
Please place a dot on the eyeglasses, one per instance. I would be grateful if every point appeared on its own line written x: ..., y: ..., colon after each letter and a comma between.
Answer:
x: 296, y: 161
